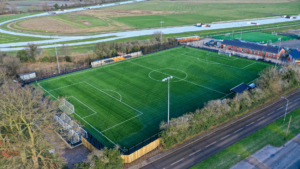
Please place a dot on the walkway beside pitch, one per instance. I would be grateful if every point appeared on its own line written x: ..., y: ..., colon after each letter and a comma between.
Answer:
x: 287, y: 156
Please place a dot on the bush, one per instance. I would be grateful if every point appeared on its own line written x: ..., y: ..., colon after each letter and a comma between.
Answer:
x: 45, y: 59
x: 22, y: 55
x: 68, y: 59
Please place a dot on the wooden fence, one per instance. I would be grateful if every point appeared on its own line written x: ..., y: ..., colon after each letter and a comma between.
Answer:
x: 133, y: 156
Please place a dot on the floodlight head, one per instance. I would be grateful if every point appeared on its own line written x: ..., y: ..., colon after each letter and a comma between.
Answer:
x: 171, y: 77
x: 162, y: 22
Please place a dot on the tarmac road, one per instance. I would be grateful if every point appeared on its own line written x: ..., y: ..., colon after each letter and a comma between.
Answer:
x: 202, y: 149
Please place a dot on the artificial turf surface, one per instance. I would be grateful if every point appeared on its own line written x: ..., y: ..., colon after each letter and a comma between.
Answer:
x: 124, y: 102
x: 254, y: 37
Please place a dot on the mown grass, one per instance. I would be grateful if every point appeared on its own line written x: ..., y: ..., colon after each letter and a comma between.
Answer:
x: 192, y: 13
x: 207, y: 75
x: 272, y: 134
x: 80, y: 21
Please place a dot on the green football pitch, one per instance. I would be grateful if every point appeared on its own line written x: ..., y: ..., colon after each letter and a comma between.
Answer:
x: 124, y: 102
x: 254, y: 37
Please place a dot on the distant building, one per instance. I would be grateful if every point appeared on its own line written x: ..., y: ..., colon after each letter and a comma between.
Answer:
x: 252, y: 48
x: 294, y: 56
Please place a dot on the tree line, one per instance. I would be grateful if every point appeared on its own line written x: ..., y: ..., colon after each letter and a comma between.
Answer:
x: 272, y: 82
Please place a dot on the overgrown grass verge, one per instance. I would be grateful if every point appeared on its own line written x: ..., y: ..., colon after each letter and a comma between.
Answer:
x: 272, y: 134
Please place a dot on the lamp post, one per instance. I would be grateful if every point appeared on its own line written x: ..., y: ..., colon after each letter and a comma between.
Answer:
x: 57, y: 59
x: 287, y: 104
x: 168, y: 79
x: 161, y: 32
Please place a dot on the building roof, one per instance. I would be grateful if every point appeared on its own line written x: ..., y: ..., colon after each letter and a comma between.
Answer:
x: 240, y: 88
x: 295, y: 54
x: 248, y: 45
x: 22, y: 74
x: 188, y: 37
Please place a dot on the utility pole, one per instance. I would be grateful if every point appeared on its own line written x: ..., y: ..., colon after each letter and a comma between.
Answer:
x: 287, y: 130
x: 57, y: 60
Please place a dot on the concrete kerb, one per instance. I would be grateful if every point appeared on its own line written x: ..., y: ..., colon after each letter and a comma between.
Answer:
x: 197, y: 138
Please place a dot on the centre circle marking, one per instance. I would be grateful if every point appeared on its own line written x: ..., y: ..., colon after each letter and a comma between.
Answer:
x: 158, y: 70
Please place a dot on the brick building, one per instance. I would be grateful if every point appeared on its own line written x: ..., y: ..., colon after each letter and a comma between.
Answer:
x: 252, y: 48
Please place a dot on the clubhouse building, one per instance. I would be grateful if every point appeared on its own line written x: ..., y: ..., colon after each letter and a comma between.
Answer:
x: 252, y: 48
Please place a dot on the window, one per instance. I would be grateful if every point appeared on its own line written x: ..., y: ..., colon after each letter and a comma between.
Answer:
x: 251, y: 50
x: 242, y: 49
x: 269, y: 54
x: 231, y: 47
x: 245, y: 49
x: 274, y: 55
x: 264, y: 53
x: 254, y: 51
x: 258, y: 52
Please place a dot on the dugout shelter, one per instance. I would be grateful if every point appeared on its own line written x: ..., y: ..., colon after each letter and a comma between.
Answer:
x: 240, y: 88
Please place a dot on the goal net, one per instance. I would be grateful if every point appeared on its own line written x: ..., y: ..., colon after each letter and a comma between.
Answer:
x: 222, y: 52
x: 66, y: 107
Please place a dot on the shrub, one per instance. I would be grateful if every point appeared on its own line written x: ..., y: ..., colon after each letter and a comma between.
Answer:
x: 68, y: 59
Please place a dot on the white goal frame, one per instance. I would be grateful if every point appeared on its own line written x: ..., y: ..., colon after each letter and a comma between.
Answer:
x: 66, y: 107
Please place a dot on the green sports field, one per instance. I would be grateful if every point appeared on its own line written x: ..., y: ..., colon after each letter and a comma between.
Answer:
x: 254, y: 37
x: 124, y: 102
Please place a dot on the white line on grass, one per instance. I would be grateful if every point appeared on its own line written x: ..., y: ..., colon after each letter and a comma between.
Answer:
x: 248, y: 65
x: 177, y: 77
x: 87, y: 123
x: 86, y: 106
x: 66, y: 86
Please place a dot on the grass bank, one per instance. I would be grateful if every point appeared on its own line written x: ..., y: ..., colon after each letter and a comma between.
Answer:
x: 272, y: 134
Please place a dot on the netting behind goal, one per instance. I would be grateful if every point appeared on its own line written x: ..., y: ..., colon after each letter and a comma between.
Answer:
x: 225, y: 52
x: 66, y: 107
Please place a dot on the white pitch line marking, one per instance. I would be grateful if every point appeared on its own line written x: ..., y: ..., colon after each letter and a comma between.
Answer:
x: 211, y: 144
x: 249, y: 124
x: 248, y: 65
x: 177, y: 161
x: 224, y: 137
x: 238, y: 130
x: 261, y: 118
x: 271, y: 113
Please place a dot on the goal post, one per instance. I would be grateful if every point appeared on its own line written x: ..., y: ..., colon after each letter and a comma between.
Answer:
x: 66, y: 106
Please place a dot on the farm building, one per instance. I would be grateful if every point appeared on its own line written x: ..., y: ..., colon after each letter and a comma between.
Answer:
x: 188, y: 39
x: 294, y: 56
x: 252, y: 48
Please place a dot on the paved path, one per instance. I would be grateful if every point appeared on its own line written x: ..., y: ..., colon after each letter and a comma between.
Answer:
x: 287, y: 156
x: 203, y: 148
x: 125, y: 34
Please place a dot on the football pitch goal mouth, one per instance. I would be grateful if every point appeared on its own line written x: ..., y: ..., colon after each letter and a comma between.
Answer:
x: 104, y: 118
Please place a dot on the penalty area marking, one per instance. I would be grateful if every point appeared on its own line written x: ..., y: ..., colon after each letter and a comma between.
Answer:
x: 96, y: 112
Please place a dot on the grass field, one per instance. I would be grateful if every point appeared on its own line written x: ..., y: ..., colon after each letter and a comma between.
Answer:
x: 126, y: 101
x: 254, y: 37
x: 272, y: 134
x: 149, y: 14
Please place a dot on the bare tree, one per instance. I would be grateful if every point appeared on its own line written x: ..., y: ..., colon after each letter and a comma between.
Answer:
x: 25, y: 117
x: 12, y: 64
x: 2, y: 7
x: 65, y: 50
x: 13, y: 8
x: 32, y: 50
x: 156, y: 36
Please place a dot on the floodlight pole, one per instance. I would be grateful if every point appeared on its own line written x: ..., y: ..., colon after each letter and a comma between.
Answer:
x: 57, y: 59
x: 161, y: 32
x: 168, y: 79
x: 287, y: 104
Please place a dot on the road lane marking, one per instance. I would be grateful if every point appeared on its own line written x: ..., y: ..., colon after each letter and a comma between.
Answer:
x: 271, y: 113
x: 225, y: 137
x: 211, y: 144
x: 296, y: 99
x: 260, y: 118
x: 177, y: 161
x: 280, y: 108
x: 194, y: 152
x: 238, y: 130
x: 249, y: 124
